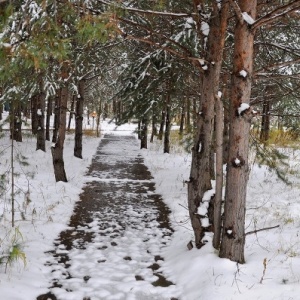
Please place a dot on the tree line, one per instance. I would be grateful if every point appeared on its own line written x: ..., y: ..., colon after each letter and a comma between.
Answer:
x: 215, y: 66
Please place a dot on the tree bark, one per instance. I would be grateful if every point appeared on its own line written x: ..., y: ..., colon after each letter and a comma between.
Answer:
x: 56, y: 115
x: 188, y: 114
x: 233, y: 236
x: 15, y: 121
x: 40, y: 136
x: 139, y: 130
x: 265, y: 121
x: 99, y: 112
x: 1, y: 106
x: 34, y: 122
x: 57, y: 149
x: 79, y: 120
x: 168, y: 126
x: 144, y: 133
x: 154, y: 129
x: 182, y: 117
x: 219, y: 173
x: 71, y: 113
x: 200, y: 180
x: 49, y: 114
x: 162, y: 124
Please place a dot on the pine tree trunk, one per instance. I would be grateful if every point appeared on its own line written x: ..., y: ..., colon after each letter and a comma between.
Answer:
x: 99, y: 112
x: 168, y: 127
x: 182, y: 118
x: 56, y: 115
x: 34, y: 122
x: 188, y: 114
x: 162, y: 124
x: 105, y: 112
x: 154, y: 129
x: 57, y: 149
x: 233, y: 236
x: 200, y: 179
x: 265, y: 121
x: 40, y: 136
x: 15, y: 121
x: 144, y: 133
x: 49, y: 114
x: 79, y: 120
x: 71, y: 113
x: 1, y: 109
x: 219, y: 173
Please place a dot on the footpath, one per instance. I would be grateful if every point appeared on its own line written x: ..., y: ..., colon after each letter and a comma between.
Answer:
x: 112, y: 249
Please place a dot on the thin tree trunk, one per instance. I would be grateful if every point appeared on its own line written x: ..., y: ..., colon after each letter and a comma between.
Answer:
x: 188, y: 114
x: 168, y: 126
x: 40, y: 136
x: 99, y: 112
x: 1, y: 110
x: 144, y: 133
x: 71, y: 113
x: 79, y: 120
x: 139, y: 130
x: 226, y: 97
x: 200, y: 180
x: 105, y: 112
x: 12, y: 158
x: 182, y: 117
x: 49, y: 114
x: 265, y: 121
x: 162, y: 124
x: 154, y: 129
x: 219, y: 173
x: 34, y: 122
x: 57, y: 149
x: 56, y: 115
x: 15, y: 122
x: 233, y: 236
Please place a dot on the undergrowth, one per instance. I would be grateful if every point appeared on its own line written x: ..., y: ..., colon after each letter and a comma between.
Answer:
x: 11, y: 249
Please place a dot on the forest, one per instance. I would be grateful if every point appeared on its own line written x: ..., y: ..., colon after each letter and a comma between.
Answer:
x: 218, y: 78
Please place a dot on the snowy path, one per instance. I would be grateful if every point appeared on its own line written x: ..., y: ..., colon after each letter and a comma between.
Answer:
x: 112, y: 249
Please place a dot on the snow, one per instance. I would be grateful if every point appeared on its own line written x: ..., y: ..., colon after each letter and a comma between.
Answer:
x: 243, y: 73
x: 243, y: 107
x: 202, y: 209
x: 198, y: 274
x: 39, y: 112
x: 237, y: 161
x: 205, y: 28
x: 248, y: 18
x: 270, y: 202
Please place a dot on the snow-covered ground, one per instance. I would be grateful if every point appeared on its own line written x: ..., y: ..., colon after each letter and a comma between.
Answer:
x: 43, y: 208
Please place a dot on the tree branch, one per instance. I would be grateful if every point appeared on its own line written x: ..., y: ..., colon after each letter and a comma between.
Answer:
x: 237, y: 11
x: 276, y: 13
x: 262, y: 229
x: 149, y: 12
x: 280, y: 65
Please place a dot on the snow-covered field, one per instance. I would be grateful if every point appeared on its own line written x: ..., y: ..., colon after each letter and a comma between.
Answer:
x: 43, y: 208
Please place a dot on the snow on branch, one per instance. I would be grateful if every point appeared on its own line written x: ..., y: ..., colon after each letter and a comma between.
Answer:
x: 248, y: 19
x: 151, y: 12
x: 277, y: 13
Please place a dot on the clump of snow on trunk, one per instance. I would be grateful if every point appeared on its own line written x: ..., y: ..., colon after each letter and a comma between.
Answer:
x: 242, y: 108
x: 243, y: 73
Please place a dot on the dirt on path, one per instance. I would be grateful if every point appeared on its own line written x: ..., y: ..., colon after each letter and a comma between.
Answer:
x: 112, y: 248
